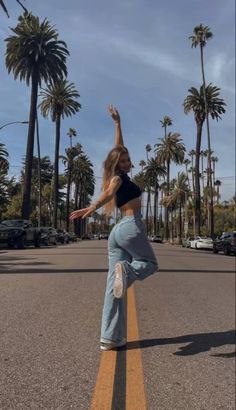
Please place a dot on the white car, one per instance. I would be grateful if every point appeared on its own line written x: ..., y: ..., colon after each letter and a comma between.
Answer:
x: 201, y: 243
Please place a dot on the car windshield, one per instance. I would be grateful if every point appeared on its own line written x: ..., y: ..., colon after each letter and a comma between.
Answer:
x: 13, y: 223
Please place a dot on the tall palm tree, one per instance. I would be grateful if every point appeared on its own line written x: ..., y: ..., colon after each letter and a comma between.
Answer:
x: 214, y: 160
x: 71, y: 133
x: 59, y: 100
x: 201, y: 35
x: 195, y: 102
x: 84, y: 180
x: 218, y: 183
x: 169, y: 149
x: 69, y: 161
x: 148, y: 149
x: 178, y: 197
x: 34, y: 54
x: 186, y: 162
x: 142, y: 164
x: 166, y: 122
x: 153, y: 171
x: 2, y: 4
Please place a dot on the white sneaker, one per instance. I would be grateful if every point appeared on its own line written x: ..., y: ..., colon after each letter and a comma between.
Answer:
x: 109, y: 345
x: 120, y: 282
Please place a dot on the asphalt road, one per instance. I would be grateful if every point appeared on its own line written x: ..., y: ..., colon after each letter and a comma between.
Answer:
x: 50, y: 311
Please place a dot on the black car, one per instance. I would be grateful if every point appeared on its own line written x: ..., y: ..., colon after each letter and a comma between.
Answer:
x: 48, y: 236
x: 62, y: 236
x: 19, y: 233
x: 156, y: 238
x: 226, y: 243
x: 72, y: 237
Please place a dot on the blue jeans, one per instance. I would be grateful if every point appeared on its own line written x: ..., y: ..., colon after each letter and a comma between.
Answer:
x: 127, y: 242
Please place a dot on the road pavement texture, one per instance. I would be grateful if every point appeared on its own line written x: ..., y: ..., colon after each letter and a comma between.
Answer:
x: 180, y: 351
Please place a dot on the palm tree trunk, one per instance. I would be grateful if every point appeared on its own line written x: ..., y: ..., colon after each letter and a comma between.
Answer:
x: 56, y: 170
x: 180, y: 223
x: 155, y: 208
x: 166, y: 214
x: 209, y: 146
x: 26, y: 203
x: 147, y: 210
x: 39, y: 171
x: 197, y: 194
x: 68, y: 199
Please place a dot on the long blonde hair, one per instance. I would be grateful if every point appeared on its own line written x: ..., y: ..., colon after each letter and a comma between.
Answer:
x: 111, y: 169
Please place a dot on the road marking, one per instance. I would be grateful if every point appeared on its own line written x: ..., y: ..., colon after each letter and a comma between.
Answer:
x: 124, y: 367
x: 103, y: 394
x: 135, y: 392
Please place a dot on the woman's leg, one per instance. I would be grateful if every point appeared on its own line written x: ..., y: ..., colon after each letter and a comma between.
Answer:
x: 130, y: 235
x: 114, y: 310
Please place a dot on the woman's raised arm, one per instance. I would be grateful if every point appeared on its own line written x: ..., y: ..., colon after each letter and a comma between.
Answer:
x: 116, y: 118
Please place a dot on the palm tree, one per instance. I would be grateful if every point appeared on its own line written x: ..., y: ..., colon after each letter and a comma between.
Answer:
x: 34, y: 54
x: 3, y: 152
x: 166, y: 122
x: 148, y: 149
x: 142, y: 164
x: 201, y: 35
x: 59, y: 100
x: 71, y: 133
x: 84, y: 180
x: 218, y: 183
x: 195, y: 102
x: 68, y: 161
x: 214, y: 160
x: 178, y: 197
x: 169, y: 149
x: 5, y: 9
x: 154, y: 170
x: 186, y: 162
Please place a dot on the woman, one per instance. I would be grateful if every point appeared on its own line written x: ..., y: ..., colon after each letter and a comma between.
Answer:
x: 130, y: 254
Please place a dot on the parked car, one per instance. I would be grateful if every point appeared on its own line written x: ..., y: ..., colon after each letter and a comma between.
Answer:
x: 72, y: 237
x: 19, y: 233
x: 62, y: 236
x: 186, y: 243
x: 48, y: 236
x: 156, y: 238
x: 104, y: 235
x: 201, y: 243
x: 226, y: 243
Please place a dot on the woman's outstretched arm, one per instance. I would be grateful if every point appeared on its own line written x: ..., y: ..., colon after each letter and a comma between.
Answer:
x: 104, y: 198
x: 116, y: 118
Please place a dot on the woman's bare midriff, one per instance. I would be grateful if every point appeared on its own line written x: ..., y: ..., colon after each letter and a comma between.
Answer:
x: 131, y: 207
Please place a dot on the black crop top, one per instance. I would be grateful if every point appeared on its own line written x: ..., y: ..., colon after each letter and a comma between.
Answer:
x: 127, y: 191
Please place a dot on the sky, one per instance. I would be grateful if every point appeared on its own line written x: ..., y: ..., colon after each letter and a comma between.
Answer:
x: 135, y: 54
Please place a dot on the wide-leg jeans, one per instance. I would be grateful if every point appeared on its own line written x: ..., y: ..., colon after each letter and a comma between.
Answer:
x: 128, y: 243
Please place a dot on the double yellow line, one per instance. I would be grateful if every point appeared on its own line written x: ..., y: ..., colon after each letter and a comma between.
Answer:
x: 103, y: 396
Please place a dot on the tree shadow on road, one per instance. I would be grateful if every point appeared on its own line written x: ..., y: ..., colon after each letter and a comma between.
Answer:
x: 197, y: 343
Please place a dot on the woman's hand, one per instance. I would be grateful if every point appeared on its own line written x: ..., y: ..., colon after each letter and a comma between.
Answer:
x: 114, y: 113
x: 82, y: 213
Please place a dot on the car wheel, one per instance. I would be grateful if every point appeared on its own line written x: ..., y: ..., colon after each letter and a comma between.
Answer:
x: 21, y: 243
x: 226, y: 250
x: 215, y: 249
x: 37, y: 242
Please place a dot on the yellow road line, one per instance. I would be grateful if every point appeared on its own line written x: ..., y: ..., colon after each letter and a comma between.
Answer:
x: 135, y: 393
x: 102, y: 398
